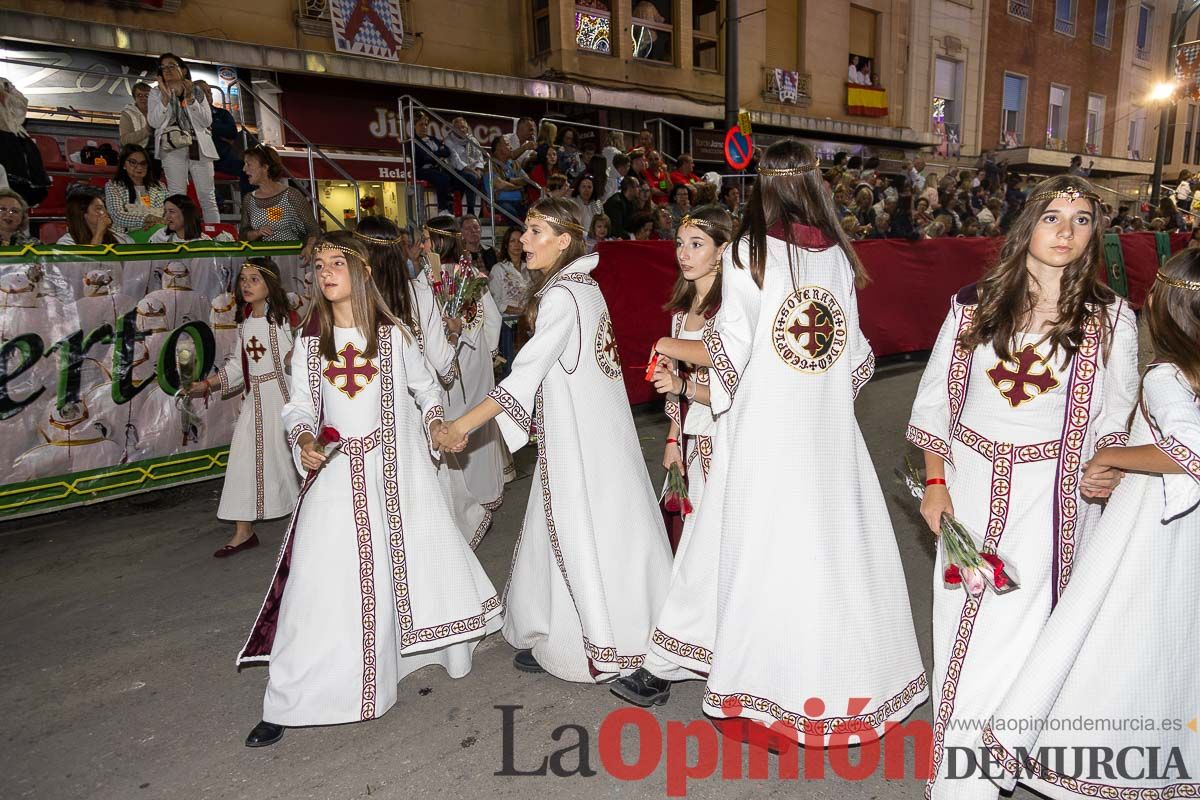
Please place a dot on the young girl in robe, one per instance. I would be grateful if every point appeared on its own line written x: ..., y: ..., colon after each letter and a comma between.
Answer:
x: 260, y: 481
x: 475, y: 337
x: 810, y: 593
x: 1034, y: 370
x: 592, y: 564
x: 680, y: 647
x: 412, y: 302
x: 374, y: 580
x: 1122, y: 643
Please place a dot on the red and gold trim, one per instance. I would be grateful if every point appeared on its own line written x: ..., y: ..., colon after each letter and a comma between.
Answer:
x: 862, y: 375
x: 1181, y: 454
x: 512, y: 406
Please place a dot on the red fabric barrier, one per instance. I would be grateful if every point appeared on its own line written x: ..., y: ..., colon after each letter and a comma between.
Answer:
x: 900, y: 311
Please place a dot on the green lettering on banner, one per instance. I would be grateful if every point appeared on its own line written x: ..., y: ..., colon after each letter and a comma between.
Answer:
x: 168, y: 365
x: 1114, y: 263
x: 29, y: 347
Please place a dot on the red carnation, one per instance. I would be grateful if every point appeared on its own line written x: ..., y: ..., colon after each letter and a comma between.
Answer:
x: 329, y: 435
x: 952, y: 575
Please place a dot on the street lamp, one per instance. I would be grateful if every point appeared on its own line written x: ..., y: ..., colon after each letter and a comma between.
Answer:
x: 1179, y: 21
x: 1162, y: 92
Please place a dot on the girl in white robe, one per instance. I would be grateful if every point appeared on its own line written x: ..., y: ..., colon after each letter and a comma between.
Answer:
x: 475, y: 335
x: 680, y: 646
x: 374, y: 580
x: 413, y: 303
x: 1034, y: 369
x: 260, y: 481
x: 592, y: 563
x: 1122, y: 643
x: 811, y: 600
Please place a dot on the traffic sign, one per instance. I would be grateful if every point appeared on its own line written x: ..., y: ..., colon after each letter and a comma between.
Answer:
x: 738, y: 148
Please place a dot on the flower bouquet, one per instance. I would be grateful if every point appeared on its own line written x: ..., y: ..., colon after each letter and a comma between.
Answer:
x: 674, y: 496
x: 459, y: 287
x: 965, y: 562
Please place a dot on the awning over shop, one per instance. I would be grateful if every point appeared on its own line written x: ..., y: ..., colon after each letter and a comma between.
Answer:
x: 377, y: 166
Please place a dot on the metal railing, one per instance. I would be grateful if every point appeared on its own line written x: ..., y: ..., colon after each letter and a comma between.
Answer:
x: 1020, y: 9
x: 660, y: 122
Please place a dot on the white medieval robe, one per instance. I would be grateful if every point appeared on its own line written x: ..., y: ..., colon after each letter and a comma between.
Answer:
x: 1015, y: 436
x: 592, y: 563
x: 484, y: 460
x: 260, y: 481
x: 811, y: 599
x: 374, y: 580
x: 1122, y: 644
x: 472, y: 519
x: 685, y: 628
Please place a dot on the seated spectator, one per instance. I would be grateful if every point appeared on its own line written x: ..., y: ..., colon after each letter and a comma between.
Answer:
x: 509, y: 284
x: 656, y: 175
x: 134, y: 128
x: 841, y: 200
x: 592, y: 162
x: 970, y: 227
x: 467, y: 158
x: 1172, y: 218
x: 274, y: 211
x: 922, y: 215
x: 484, y: 258
x: 621, y: 165
x: 641, y: 227
x: 523, y: 143
x: 990, y: 213
x: 558, y: 187
x: 1158, y: 224
x: 598, y: 231
x: 183, y: 223
x: 664, y: 224
x: 585, y: 199
x: 545, y: 165
x: 685, y: 171
x: 645, y: 197
x: 428, y: 169
x: 880, y: 225
x: 88, y: 222
x: 614, y: 146
x: 181, y: 117
x: 572, y: 158
x: 850, y: 227
x: 14, y: 220
x: 706, y: 194
x: 731, y: 197
x: 864, y: 208
x: 509, y: 180
x: 681, y: 203
x: 621, y: 207
x: 645, y: 141
x: 934, y: 230
x: 227, y: 139
x: 637, y: 163
x: 134, y: 196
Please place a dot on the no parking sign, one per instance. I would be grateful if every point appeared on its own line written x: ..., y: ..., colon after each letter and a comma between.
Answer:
x: 738, y: 148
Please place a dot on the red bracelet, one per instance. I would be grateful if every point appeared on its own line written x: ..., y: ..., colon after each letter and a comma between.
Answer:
x: 672, y: 441
x: 935, y: 481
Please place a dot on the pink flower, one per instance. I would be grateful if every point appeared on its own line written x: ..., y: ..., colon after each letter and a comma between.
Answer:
x: 974, y: 580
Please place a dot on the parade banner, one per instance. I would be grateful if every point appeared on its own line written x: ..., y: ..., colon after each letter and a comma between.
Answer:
x: 95, y: 343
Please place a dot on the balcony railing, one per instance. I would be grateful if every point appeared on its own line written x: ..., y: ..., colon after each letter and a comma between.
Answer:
x: 1102, y: 38
x: 1020, y: 9
x: 1055, y: 143
x: 1142, y: 53
x: 1064, y: 26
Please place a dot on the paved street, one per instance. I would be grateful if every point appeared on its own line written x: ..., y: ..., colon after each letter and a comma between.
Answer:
x: 117, y: 677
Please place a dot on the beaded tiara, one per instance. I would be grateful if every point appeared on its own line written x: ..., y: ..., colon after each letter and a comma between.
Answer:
x: 440, y: 232
x: 341, y: 249
x: 703, y: 224
x: 375, y: 239
x: 567, y: 224
x: 1073, y: 193
x: 775, y: 172
x: 1178, y: 283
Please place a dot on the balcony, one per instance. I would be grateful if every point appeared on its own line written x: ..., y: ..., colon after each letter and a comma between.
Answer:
x: 787, y: 86
x: 1021, y: 9
x: 1054, y: 143
x: 1141, y: 53
x: 1064, y: 26
x: 1102, y: 39
x: 866, y: 101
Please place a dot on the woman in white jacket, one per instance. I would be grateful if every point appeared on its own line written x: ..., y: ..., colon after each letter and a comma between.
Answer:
x: 181, y: 115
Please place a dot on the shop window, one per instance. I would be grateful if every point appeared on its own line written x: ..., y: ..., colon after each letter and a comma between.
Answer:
x: 1012, y: 109
x: 653, y: 30
x: 706, y: 20
x: 863, y: 37
x: 541, y: 27
x: 593, y: 26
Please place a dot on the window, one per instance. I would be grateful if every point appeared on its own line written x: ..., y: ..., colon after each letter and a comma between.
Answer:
x: 1021, y: 9
x: 1102, y: 29
x: 1093, y: 137
x: 1144, y: 31
x: 863, y: 36
x: 1137, y: 128
x: 652, y: 30
x: 593, y: 26
x: 1189, y: 137
x: 947, y: 101
x: 1056, y: 118
x: 706, y: 15
x: 1064, y: 17
x: 541, y: 27
x: 1012, y: 124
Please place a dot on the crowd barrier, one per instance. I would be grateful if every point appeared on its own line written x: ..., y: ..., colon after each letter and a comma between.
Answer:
x: 93, y: 341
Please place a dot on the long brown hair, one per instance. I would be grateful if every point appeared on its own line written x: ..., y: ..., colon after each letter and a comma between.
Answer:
x: 77, y: 208
x: 716, y: 224
x: 389, y: 262
x: 1173, y: 316
x: 445, y: 236
x: 1008, y: 293
x: 563, y: 209
x: 278, y: 309
x: 789, y: 200
x: 369, y: 308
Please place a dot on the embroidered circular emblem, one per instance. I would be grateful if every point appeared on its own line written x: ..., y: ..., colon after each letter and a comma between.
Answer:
x: 606, y: 348
x: 809, y: 333
x: 472, y: 318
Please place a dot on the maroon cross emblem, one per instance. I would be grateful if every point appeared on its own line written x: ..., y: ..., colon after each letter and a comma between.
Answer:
x: 1024, y: 375
x: 610, y: 345
x: 255, y: 350
x: 818, y: 333
x: 349, y: 371
x: 363, y: 11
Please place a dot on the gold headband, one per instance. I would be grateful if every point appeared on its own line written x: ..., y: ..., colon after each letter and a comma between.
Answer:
x: 375, y: 239
x: 1178, y: 283
x: 341, y: 249
x: 266, y: 273
x: 570, y: 225
x: 703, y: 224
x: 799, y: 169
x: 440, y: 232
x: 1074, y: 193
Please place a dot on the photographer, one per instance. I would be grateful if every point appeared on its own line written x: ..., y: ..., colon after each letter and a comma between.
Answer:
x: 181, y: 116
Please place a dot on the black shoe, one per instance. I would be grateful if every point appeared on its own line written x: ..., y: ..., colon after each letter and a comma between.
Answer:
x: 264, y: 734
x: 525, y: 662
x: 642, y: 688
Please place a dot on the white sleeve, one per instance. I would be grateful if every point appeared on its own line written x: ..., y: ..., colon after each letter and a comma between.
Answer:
x: 299, y: 413
x: 557, y: 322
x: 230, y: 373
x: 862, y: 357
x: 1172, y: 407
x: 438, y: 351
x: 929, y: 424
x: 1120, y: 381
x: 496, y: 286
x: 492, y: 322
x: 731, y: 339
x: 422, y: 384
x: 156, y: 112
